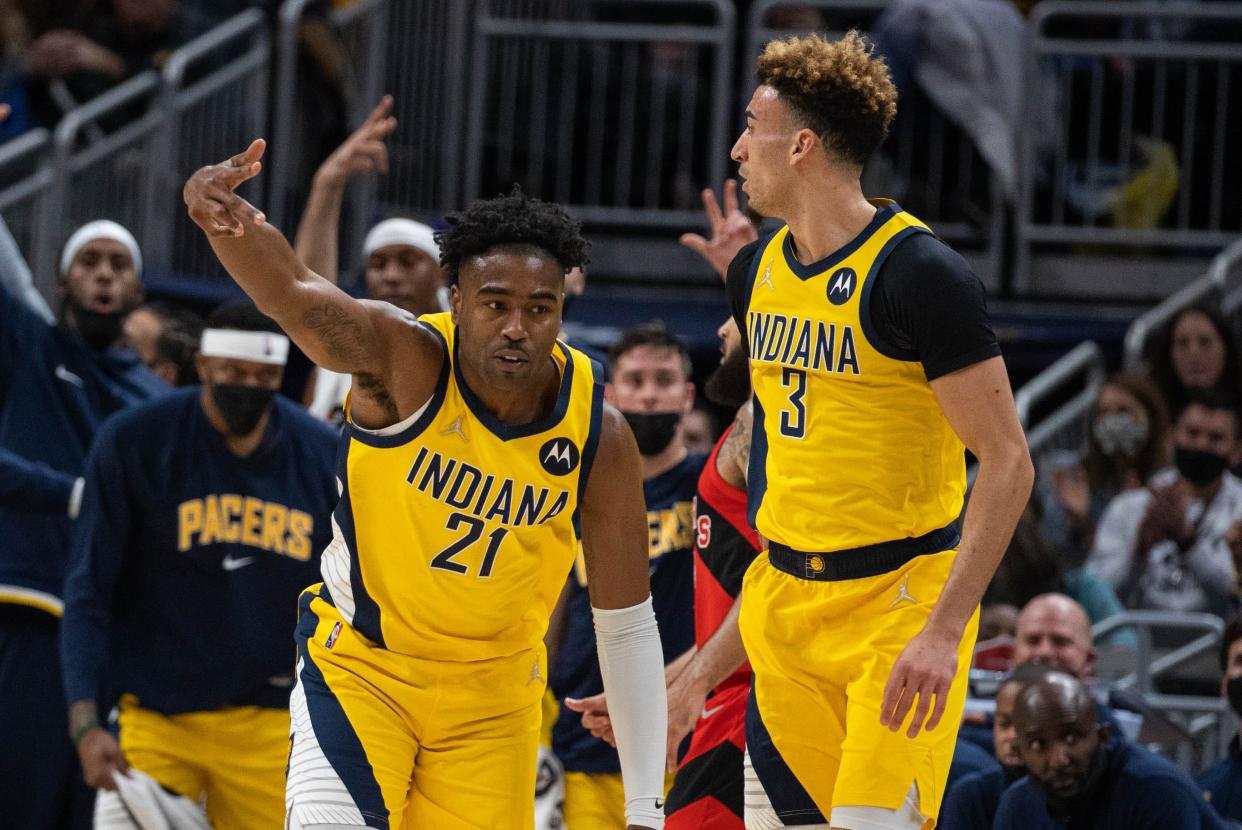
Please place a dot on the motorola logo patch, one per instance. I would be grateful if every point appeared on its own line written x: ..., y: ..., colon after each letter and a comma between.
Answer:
x: 841, y: 286
x: 559, y: 456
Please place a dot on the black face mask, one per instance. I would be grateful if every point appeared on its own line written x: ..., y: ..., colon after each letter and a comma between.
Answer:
x: 729, y: 384
x: 100, y: 329
x: 241, y: 406
x: 1199, y: 467
x: 1233, y: 691
x: 653, y: 430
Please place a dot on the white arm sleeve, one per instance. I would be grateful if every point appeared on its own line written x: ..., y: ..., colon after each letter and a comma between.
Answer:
x: 632, y: 664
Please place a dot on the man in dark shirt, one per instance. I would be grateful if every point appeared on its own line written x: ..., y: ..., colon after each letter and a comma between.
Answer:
x: 1223, y: 783
x: 1081, y: 777
x: 58, y: 382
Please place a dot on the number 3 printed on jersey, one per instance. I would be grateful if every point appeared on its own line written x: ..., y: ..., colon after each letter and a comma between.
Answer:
x: 793, y: 419
x: 474, y: 531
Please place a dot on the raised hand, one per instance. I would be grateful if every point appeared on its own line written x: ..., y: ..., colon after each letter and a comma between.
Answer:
x: 209, y: 195
x: 730, y: 230
x: 364, y: 151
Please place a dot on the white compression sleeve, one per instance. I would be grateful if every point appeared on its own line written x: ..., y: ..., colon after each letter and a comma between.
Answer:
x: 632, y: 664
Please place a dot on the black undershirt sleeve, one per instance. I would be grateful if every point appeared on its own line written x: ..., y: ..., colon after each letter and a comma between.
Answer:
x: 737, y: 285
x: 927, y: 305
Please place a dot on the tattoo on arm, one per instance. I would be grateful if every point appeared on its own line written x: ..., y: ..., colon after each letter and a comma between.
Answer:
x: 340, y: 335
x: 737, y: 446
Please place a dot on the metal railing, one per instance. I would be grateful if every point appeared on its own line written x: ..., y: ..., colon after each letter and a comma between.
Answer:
x: 1133, y: 154
x: 1148, y: 325
x: 624, y: 122
x: 1078, y: 374
x: 1225, y: 268
x: 27, y: 174
x: 928, y: 164
x: 214, y: 100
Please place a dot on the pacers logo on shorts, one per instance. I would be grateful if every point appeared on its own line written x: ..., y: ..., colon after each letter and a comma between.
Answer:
x: 815, y: 564
x: 336, y: 632
x: 559, y: 456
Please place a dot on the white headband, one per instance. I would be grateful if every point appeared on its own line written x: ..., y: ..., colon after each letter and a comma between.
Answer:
x: 100, y: 229
x: 257, y: 346
x: 402, y: 232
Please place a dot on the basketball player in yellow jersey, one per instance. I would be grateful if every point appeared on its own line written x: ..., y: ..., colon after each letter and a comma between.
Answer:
x: 465, y: 475
x: 873, y: 363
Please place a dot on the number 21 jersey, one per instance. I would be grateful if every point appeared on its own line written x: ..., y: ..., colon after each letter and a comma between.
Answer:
x: 454, y: 531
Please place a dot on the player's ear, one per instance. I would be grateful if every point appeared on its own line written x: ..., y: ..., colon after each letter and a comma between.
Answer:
x: 690, y: 391
x: 455, y: 301
x: 610, y: 394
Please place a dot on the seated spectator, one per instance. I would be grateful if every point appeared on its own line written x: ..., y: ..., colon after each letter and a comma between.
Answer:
x: 1080, y: 775
x: 1164, y: 547
x: 1031, y: 567
x: 165, y: 337
x: 699, y: 428
x: 1197, y: 351
x: 1222, y: 784
x: 1126, y: 442
x: 971, y: 803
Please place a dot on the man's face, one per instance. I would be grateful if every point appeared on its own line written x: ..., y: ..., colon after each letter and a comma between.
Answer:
x: 764, y: 151
x: 507, y: 307
x: 1057, y: 739
x: 229, y: 371
x: 1004, y: 735
x: 142, y: 329
x: 405, y: 276
x: 1208, y: 430
x: 1049, y: 635
x: 650, y: 379
x: 102, y: 278
x: 729, y: 383
x: 1233, y: 665
x: 697, y: 431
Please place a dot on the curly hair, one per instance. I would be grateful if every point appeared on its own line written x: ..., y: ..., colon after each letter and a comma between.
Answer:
x: 516, y: 219
x: 839, y: 89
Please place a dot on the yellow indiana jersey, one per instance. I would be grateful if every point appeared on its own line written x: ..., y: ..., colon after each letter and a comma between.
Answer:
x: 455, y: 532
x: 850, y: 447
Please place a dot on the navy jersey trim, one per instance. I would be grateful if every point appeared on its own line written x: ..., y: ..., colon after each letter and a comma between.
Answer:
x: 332, y: 727
x: 787, y: 795
x: 757, y: 465
x: 805, y: 272
x: 864, y: 303
x: 592, y: 441
x: 366, y: 611
x: 415, y: 429
x: 507, y: 432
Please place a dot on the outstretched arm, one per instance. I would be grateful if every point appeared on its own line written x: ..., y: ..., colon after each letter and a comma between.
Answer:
x: 614, y: 540
x: 979, y: 407
x: 336, y: 331
x: 363, y: 152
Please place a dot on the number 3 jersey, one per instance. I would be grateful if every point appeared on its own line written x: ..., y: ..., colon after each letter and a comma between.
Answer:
x: 455, y: 532
x: 849, y: 447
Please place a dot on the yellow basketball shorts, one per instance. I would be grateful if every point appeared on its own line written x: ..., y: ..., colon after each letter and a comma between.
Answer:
x: 822, y: 652
x: 231, y: 760
x: 386, y: 740
x: 596, y: 800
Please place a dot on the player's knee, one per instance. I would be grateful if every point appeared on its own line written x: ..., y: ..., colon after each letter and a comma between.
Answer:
x: 762, y: 818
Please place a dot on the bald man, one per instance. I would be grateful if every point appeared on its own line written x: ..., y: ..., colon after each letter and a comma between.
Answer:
x: 1081, y: 777
x: 1053, y: 630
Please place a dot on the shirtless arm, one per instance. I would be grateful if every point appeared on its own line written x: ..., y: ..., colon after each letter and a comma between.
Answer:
x: 335, y: 330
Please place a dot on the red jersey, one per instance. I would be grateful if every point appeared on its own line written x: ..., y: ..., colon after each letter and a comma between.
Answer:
x: 724, y: 546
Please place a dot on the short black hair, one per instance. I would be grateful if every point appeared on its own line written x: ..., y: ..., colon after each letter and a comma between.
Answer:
x: 1232, y: 633
x: 516, y: 219
x: 178, y: 341
x: 653, y: 334
x: 1212, y: 399
x: 242, y: 316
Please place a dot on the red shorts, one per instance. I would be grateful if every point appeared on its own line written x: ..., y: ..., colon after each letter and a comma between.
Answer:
x: 707, y: 792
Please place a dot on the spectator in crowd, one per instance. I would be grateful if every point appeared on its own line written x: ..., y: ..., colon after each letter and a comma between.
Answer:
x: 165, y: 337
x: 651, y: 387
x: 1197, y: 351
x: 205, y: 511
x: 699, y: 428
x: 61, y: 380
x: 971, y: 803
x: 1164, y: 547
x: 1222, y: 783
x: 1053, y: 630
x: 1126, y: 443
x: 1031, y: 567
x: 1080, y: 775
